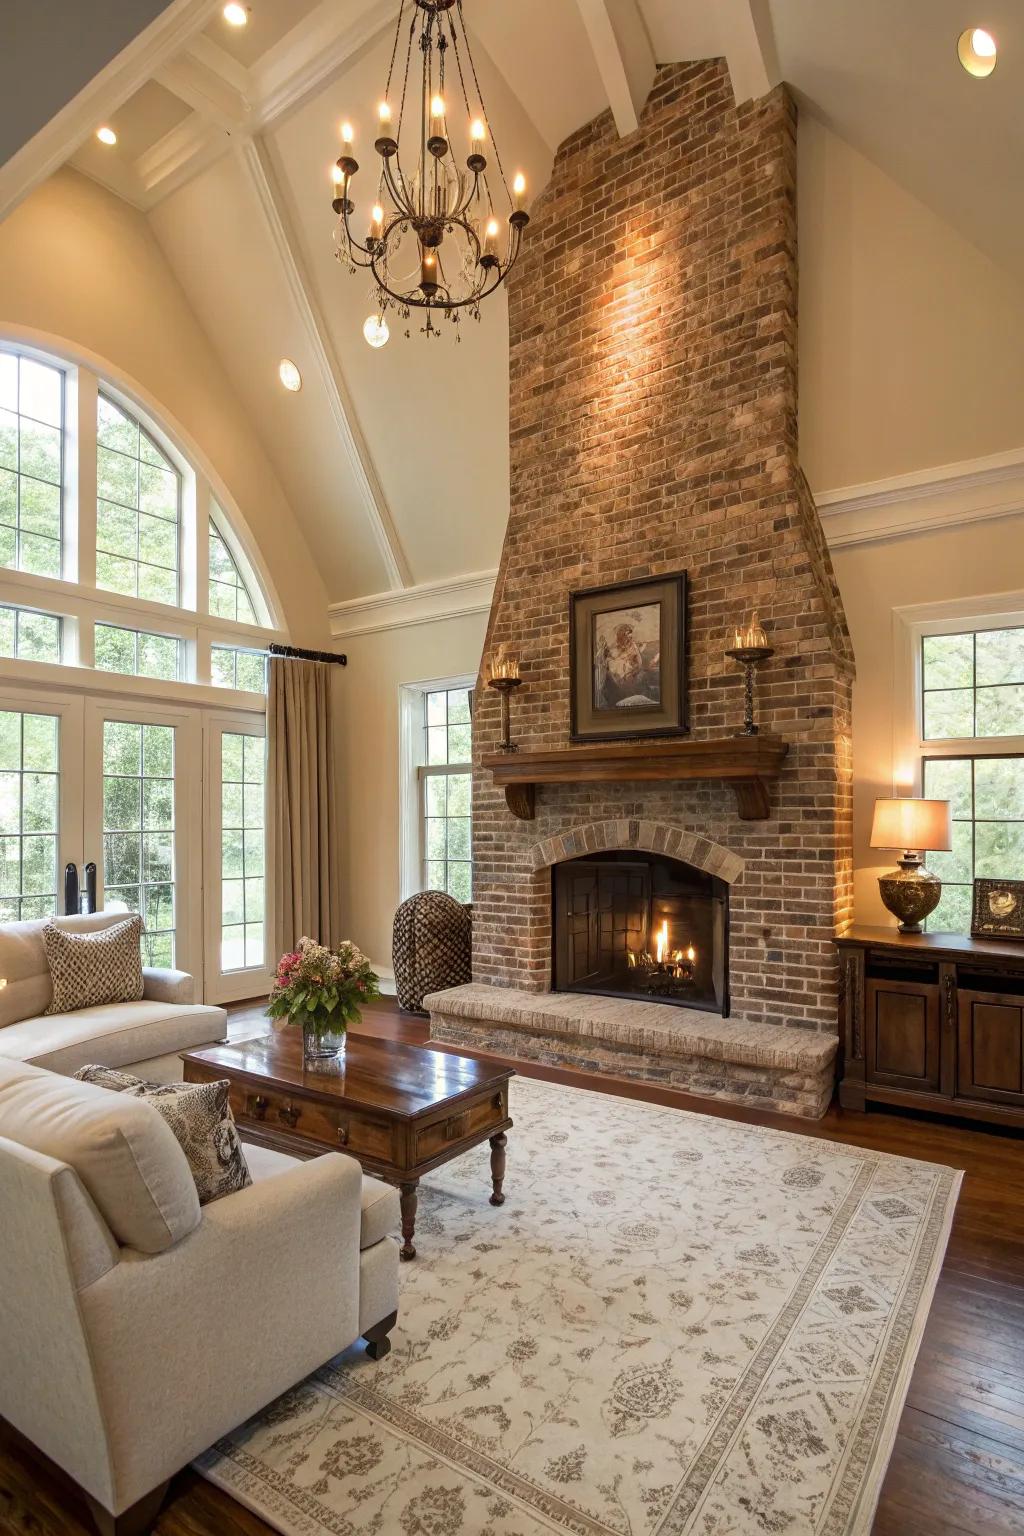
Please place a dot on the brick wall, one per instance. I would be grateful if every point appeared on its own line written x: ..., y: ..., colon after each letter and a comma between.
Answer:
x: 654, y: 428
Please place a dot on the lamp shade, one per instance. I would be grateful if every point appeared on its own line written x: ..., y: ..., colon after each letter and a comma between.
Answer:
x: 911, y: 823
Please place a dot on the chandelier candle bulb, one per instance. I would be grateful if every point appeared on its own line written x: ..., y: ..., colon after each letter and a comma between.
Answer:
x: 519, y: 191
x: 347, y: 134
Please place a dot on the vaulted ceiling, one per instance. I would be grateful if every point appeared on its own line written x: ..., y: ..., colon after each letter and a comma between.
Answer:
x: 396, y: 460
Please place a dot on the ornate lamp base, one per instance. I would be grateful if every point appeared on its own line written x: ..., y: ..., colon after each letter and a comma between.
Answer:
x: 910, y: 892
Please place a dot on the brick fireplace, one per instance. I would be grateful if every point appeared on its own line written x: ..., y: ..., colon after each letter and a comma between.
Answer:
x: 654, y: 429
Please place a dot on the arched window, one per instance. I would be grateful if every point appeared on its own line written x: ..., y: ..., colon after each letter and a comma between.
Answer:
x: 229, y: 591
x: 138, y: 510
x: 133, y: 641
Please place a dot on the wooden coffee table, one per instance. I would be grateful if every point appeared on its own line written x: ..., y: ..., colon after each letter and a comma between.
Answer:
x: 399, y: 1109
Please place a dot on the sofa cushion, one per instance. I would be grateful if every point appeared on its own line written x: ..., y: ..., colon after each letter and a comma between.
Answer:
x: 89, y: 969
x: 23, y: 961
x: 379, y: 1207
x: 121, y: 1149
x: 200, y: 1116
x: 116, y: 1034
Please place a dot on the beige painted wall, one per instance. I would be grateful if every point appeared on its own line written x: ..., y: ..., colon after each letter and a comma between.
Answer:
x: 975, y: 561
x: 79, y: 263
x: 911, y: 340
x: 368, y: 756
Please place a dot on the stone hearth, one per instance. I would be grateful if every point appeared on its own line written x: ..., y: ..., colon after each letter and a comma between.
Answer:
x: 654, y: 429
x: 765, y: 1066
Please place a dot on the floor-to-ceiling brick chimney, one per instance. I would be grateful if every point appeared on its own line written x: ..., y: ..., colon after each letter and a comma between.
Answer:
x: 654, y: 428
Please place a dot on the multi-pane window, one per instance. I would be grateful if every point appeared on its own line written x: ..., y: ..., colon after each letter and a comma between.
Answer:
x: 242, y: 851
x: 986, y: 796
x: 973, y: 684
x: 446, y: 781
x: 229, y: 595
x: 138, y: 830
x: 29, y: 801
x: 31, y: 464
x: 233, y: 667
x: 30, y: 636
x: 973, y: 692
x: 137, y: 652
x: 137, y: 510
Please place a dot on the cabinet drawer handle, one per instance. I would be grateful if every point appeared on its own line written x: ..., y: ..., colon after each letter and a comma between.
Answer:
x: 288, y: 1113
x: 950, y: 985
x: 257, y: 1107
x: 343, y: 1135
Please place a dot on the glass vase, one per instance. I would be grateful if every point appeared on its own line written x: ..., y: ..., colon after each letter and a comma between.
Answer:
x: 323, y: 1041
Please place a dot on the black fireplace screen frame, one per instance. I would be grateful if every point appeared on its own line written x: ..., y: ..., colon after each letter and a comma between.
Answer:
x: 607, y: 909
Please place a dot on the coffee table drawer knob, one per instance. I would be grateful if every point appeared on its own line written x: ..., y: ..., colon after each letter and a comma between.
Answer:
x: 289, y: 1114
x: 343, y: 1135
x: 257, y: 1107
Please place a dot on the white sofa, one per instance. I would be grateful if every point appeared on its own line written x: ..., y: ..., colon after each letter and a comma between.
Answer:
x: 138, y: 1327
x: 146, y: 1036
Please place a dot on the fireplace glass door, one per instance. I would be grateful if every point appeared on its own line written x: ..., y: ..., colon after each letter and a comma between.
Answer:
x: 641, y: 926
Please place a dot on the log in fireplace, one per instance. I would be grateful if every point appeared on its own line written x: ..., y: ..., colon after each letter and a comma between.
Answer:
x: 641, y: 925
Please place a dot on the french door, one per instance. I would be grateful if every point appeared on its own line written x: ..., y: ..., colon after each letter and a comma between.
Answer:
x: 168, y: 802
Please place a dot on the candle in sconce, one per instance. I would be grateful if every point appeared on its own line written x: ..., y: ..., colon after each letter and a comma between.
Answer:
x: 519, y: 190
x: 504, y: 664
x: 376, y: 221
x: 477, y: 132
x: 384, y: 118
x: 753, y: 638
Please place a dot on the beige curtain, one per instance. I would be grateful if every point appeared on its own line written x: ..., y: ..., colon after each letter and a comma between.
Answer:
x: 302, y: 803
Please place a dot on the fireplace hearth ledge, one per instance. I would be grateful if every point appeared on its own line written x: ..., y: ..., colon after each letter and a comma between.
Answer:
x: 765, y: 1066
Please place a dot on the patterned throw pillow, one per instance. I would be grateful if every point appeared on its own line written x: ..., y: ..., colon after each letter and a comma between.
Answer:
x: 200, y: 1116
x: 88, y: 969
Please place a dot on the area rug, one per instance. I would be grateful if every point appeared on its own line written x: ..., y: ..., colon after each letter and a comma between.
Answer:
x: 676, y: 1324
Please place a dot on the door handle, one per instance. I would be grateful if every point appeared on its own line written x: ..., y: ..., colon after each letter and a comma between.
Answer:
x: 71, y: 889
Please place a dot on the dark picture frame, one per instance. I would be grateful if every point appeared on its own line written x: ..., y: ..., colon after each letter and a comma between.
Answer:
x: 998, y: 910
x: 627, y: 660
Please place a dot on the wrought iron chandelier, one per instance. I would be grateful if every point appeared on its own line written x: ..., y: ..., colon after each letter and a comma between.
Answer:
x: 434, y: 240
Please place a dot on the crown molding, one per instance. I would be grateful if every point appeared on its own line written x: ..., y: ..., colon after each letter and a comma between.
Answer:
x: 946, y: 496
x: 136, y: 63
x: 427, y: 603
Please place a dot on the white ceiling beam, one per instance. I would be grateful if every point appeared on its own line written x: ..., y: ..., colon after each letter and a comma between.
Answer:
x: 188, y: 148
x: 749, y: 47
x: 279, y: 226
x: 58, y: 139
x: 314, y: 50
x: 211, y: 82
x: 624, y: 57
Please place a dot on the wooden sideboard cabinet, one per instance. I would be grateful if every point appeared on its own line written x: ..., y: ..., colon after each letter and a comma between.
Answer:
x: 932, y: 1021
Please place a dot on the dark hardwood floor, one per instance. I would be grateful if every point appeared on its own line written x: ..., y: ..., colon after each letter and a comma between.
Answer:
x: 957, y: 1468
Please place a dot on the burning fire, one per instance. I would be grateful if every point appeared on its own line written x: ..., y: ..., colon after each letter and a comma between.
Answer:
x: 661, y: 949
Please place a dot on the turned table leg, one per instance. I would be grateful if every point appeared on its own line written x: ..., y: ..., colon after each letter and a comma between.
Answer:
x: 498, y: 1144
x: 408, y: 1200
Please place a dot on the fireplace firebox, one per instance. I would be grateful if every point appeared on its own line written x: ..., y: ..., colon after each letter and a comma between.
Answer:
x: 641, y: 925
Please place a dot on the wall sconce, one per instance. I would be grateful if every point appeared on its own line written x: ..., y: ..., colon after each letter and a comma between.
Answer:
x: 505, y: 679
x: 751, y: 649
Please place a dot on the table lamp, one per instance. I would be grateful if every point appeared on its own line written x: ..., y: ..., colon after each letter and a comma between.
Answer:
x: 911, y: 891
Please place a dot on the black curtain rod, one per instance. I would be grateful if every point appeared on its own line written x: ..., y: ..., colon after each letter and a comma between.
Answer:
x: 295, y: 653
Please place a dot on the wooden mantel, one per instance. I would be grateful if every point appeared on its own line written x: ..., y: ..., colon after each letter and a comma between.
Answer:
x: 748, y: 763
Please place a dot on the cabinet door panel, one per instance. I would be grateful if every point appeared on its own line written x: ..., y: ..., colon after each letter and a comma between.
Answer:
x: 903, y: 1034
x: 990, y: 1058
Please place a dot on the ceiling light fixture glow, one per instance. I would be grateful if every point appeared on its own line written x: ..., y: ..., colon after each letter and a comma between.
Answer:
x: 289, y: 375
x: 235, y: 15
x: 375, y: 330
x: 106, y: 135
x: 976, y: 50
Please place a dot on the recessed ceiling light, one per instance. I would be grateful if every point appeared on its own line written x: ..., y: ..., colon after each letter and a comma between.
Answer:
x: 976, y: 50
x: 289, y: 375
x: 236, y: 15
x: 106, y: 135
x: 375, y: 330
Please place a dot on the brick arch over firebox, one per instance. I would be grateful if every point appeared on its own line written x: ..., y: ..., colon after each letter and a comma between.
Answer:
x: 648, y: 836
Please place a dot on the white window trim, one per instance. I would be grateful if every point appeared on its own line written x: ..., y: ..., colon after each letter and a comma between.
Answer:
x: 410, y: 759
x: 912, y: 624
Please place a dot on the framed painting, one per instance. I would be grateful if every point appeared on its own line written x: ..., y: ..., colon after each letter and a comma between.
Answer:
x: 998, y: 911
x: 627, y: 660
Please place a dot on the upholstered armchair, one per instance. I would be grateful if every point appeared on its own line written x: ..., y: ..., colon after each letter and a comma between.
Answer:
x: 138, y: 1327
